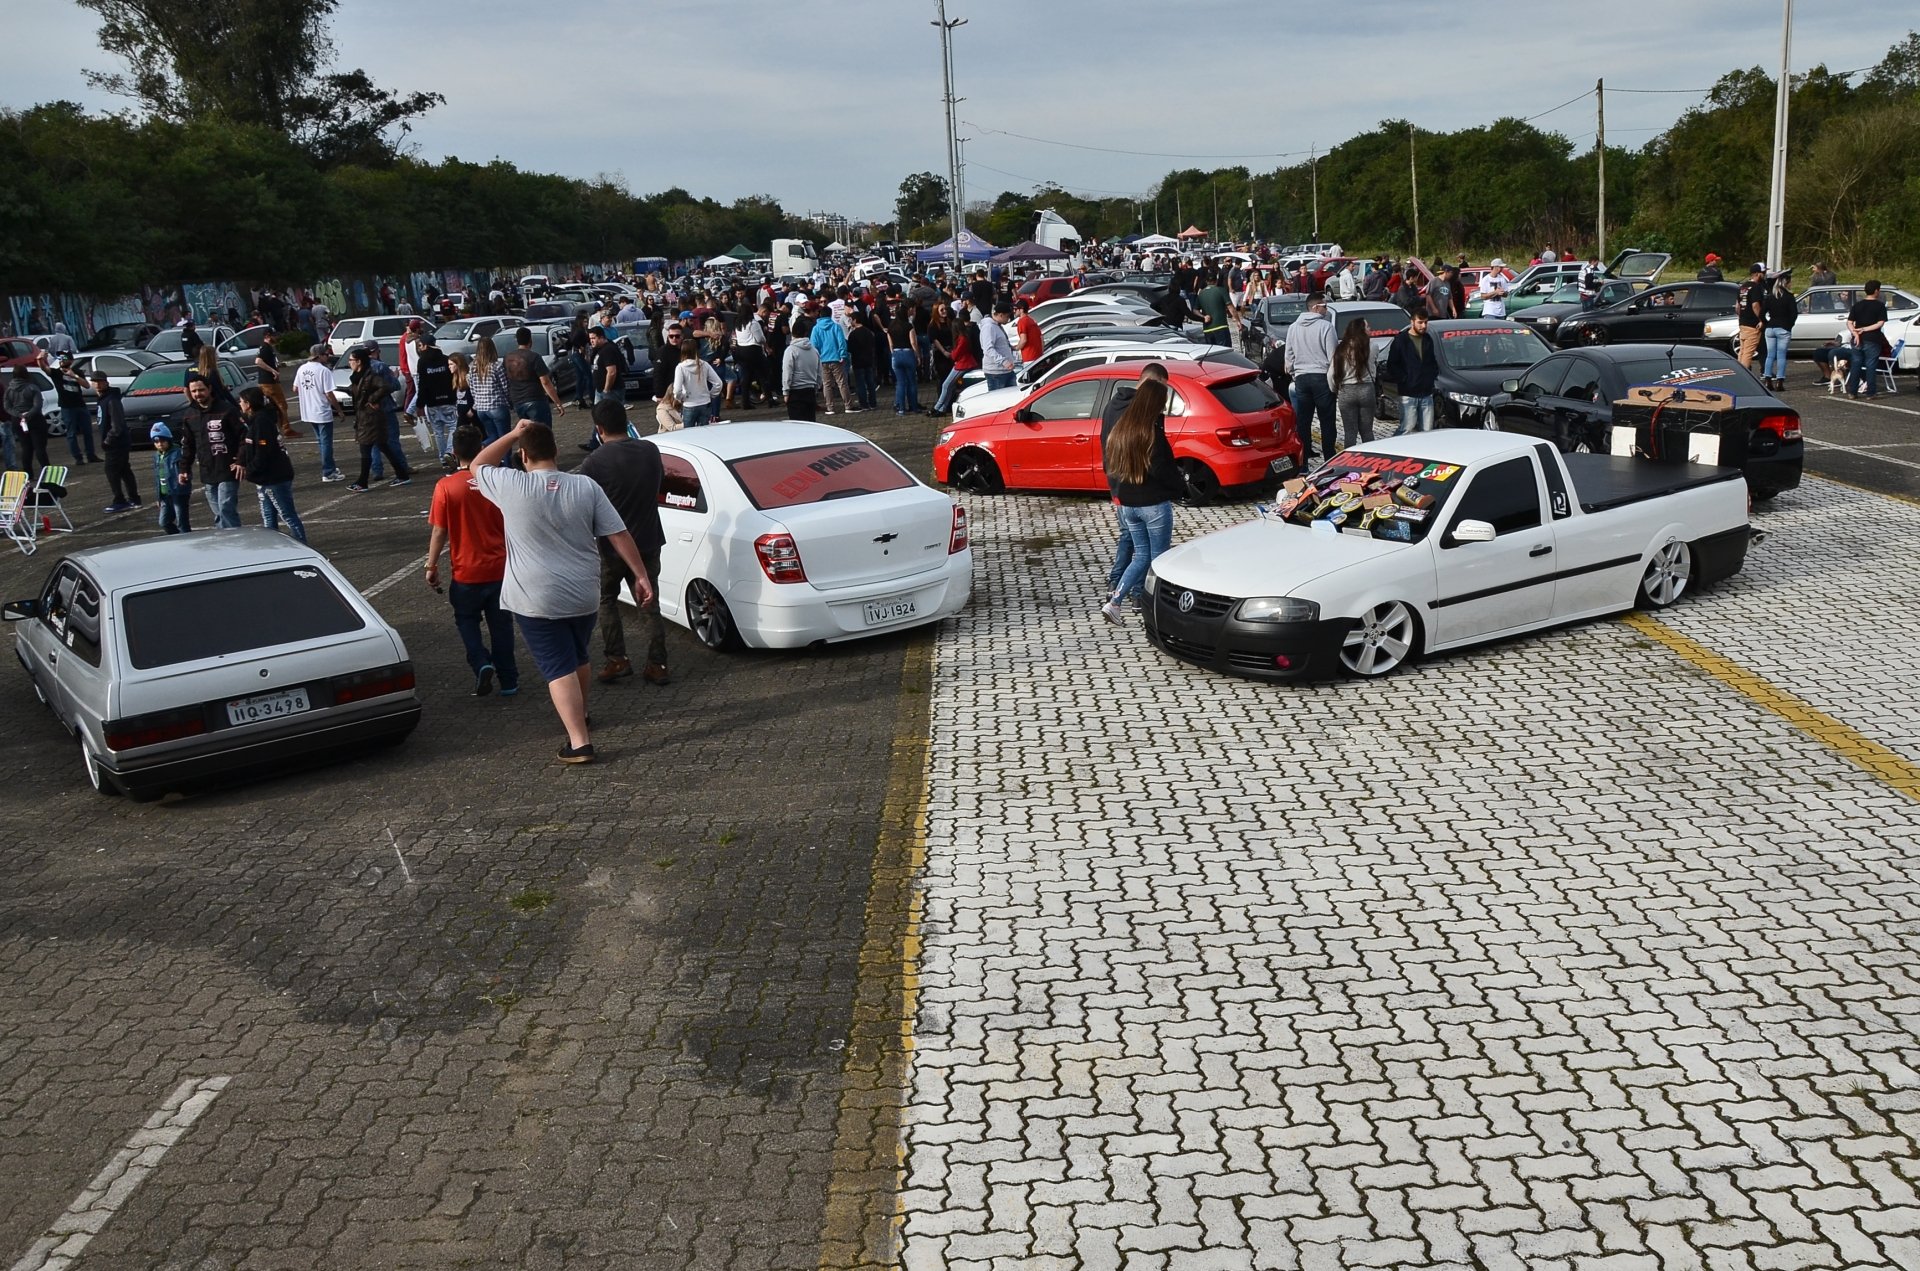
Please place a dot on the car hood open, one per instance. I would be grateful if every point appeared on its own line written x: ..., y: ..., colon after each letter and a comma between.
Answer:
x: 1266, y: 558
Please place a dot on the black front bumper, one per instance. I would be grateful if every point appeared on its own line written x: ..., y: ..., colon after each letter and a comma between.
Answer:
x: 1220, y: 642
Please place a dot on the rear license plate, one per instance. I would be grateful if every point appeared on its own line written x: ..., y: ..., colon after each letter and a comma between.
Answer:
x: 884, y: 611
x: 1281, y: 466
x: 251, y: 710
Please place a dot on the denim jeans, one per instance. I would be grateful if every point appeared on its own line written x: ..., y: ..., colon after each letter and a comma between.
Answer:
x: 539, y: 410
x: 223, y: 500
x: 79, y: 431
x: 866, y: 383
x: 323, y: 433
x: 696, y: 416
x: 1862, y: 370
x: 474, y: 603
x: 1314, y: 398
x: 441, y: 421
x: 176, y: 510
x: 999, y: 379
x: 1775, y: 367
x: 393, y: 444
x: 7, y: 430
x: 1149, y: 532
x: 1122, y: 550
x: 276, y: 505
x: 493, y: 422
x: 948, y: 387
x: 906, y: 386
x: 582, y: 378
x: 1416, y: 414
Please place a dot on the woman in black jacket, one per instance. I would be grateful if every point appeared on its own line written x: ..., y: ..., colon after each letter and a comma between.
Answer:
x: 1144, y: 481
x: 263, y: 461
x: 1778, y: 314
x: 370, y: 391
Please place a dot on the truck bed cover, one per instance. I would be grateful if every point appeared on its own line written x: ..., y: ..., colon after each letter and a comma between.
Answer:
x: 1605, y: 481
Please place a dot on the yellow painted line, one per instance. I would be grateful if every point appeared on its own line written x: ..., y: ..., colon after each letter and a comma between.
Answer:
x: 1849, y: 743
x: 861, y: 1227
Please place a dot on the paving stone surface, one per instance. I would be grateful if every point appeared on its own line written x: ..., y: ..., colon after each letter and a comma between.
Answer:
x: 1557, y: 953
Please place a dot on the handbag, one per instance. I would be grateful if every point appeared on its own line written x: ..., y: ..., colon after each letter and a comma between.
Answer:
x: 423, y: 435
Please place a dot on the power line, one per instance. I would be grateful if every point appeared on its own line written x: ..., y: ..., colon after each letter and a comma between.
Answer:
x: 1091, y: 189
x: 1148, y: 154
x: 1562, y: 106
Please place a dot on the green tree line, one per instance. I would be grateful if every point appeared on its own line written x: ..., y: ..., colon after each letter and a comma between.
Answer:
x: 1699, y: 186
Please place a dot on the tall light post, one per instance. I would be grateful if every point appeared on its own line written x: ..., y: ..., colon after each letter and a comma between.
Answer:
x: 1777, y: 198
x: 953, y: 141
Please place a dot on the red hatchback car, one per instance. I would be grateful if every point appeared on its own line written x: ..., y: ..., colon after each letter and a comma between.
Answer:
x: 1037, y: 291
x: 1228, y: 430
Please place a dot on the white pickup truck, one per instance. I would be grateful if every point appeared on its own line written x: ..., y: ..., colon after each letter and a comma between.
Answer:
x: 1397, y: 548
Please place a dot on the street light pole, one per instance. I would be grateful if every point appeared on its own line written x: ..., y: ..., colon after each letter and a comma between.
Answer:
x: 953, y: 142
x: 1777, y: 198
x: 1413, y: 175
x: 1600, y: 153
x: 1313, y: 172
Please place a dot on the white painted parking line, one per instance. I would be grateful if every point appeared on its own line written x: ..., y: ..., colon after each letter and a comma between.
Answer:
x: 417, y: 563
x: 1901, y: 410
x: 71, y: 1232
x: 1864, y: 454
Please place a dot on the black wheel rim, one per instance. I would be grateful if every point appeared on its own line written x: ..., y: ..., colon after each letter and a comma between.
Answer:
x: 971, y: 472
x: 708, y: 614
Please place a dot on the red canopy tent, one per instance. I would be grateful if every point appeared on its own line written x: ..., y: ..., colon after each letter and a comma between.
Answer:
x: 1193, y: 231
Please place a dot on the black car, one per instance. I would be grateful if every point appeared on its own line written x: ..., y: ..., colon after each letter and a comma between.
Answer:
x: 1563, y: 302
x: 159, y: 393
x: 1676, y: 313
x: 121, y: 335
x: 1267, y: 319
x: 1568, y: 399
x: 1476, y: 356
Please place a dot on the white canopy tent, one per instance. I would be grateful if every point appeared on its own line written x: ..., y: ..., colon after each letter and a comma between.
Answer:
x: 722, y: 262
x: 1156, y: 240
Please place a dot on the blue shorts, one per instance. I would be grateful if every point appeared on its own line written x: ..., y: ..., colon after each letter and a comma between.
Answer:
x: 558, y: 645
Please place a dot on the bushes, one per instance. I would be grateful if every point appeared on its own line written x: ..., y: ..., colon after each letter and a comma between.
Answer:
x: 292, y: 344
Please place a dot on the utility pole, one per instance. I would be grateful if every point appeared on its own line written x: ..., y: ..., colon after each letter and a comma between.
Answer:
x: 1253, y: 224
x: 1600, y: 153
x: 953, y: 143
x: 1777, y: 200
x: 1178, y: 215
x: 1413, y: 173
x: 1214, y: 186
x: 1313, y: 173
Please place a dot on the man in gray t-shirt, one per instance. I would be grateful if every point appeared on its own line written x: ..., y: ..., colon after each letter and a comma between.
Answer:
x: 554, y: 521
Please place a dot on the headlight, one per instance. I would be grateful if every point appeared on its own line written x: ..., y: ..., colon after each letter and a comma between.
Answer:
x: 1469, y: 399
x: 1277, y: 609
x: 1547, y: 320
x: 1151, y: 581
x: 945, y: 437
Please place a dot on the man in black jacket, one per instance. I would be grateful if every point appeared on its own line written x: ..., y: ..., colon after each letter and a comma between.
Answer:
x: 629, y: 470
x: 210, y: 438
x: 116, y: 444
x: 1413, y: 365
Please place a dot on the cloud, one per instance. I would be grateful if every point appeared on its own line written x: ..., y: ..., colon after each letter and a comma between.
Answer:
x: 827, y: 104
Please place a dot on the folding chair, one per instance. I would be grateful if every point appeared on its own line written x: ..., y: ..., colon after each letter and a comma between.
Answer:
x: 48, y: 492
x: 1891, y: 363
x: 16, y: 518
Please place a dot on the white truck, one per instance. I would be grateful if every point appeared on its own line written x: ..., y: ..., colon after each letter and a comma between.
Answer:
x: 1050, y: 229
x: 793, y: 258
x: 1402, y: 547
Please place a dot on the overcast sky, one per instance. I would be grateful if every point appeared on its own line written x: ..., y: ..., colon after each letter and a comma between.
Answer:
x: 827, y: 104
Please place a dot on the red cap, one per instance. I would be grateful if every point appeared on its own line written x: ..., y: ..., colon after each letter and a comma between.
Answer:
x: 1712, y: 259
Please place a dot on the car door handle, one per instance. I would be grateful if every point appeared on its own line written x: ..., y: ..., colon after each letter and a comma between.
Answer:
x: 686, y: 538
x: 1542, y: 550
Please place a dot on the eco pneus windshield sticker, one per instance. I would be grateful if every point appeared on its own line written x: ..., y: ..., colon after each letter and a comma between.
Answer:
x: 1341, y: 495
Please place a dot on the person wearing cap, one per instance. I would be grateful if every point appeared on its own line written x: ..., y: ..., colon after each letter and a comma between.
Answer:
x: 830, y: 342
x: 1493, y: 290
x: 117, y: 443
x: 71, y: 392
x: 1710, y: 272
x: 1752, y: 313
x: 210, y: 439
x: 313, y: 386
x: 1591, y: 278
x: 434, y: 399
x: 173, y: 484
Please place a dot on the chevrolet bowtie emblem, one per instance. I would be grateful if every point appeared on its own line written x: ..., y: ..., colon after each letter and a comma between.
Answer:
x: 886, y: 538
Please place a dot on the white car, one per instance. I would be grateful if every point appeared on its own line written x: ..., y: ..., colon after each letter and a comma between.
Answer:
x: 121, y: 365
x: 785, y: 534
x: 1397, y: 548
x: 1823, y: 317
x: 119, y: 647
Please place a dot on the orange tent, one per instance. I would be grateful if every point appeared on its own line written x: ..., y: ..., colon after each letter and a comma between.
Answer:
x: 1193, y: 231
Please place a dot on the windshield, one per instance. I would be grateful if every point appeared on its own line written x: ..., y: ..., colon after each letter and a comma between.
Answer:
x: 1392, y: 497
x: 815, y: 474
x: 168, y: 625
x: 1693, y: 368
x: 1484, y: 348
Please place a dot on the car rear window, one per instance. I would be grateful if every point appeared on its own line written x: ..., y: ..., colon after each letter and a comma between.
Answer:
x: 1249, y: 396
x: 815, y: 474
x: 170, y: 625
x: 1693, y: 368
x: 159, y: 379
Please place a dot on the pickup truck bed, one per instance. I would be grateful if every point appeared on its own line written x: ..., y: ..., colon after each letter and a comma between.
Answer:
x: 1601, y: 482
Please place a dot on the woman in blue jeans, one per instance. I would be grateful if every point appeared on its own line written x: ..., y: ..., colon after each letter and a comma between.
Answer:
x: 1144, y: 481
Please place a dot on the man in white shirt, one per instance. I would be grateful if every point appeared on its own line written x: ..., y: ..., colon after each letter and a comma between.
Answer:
x: 1493, y: 290
x: 1344, y: 287
x: 313, y: 386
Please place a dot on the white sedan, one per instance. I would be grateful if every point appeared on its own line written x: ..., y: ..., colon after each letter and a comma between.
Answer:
x: 785, y: 534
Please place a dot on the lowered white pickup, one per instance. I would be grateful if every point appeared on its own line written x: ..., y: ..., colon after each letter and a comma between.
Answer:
x: 1430, y: 541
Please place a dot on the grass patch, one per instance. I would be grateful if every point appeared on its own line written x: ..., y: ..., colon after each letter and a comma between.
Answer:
x: 532, y: 901
x: 726, y: 838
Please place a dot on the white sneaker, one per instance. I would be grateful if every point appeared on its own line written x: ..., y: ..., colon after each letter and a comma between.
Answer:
x: 334, y: 476
x: 1111, y: 612
x: 827, y: 413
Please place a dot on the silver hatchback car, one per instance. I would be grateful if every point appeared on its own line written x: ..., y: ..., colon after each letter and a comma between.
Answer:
x: 187, y: 658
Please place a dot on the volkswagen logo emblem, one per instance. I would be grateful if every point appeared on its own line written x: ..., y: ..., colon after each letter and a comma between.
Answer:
x: 1186, y: 602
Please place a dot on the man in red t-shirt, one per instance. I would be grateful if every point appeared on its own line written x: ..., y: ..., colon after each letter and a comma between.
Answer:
x: 1030, y: 337
x: 470, y: 524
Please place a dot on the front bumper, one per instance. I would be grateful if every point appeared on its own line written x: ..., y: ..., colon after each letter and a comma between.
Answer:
x: 1254, y: 650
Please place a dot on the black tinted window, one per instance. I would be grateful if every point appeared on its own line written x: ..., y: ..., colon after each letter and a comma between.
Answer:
x: 1546, y: 377
x: 169, y: 625
x: 1246, y: 397
x: 1582, y: 382
x: 1504, y: 495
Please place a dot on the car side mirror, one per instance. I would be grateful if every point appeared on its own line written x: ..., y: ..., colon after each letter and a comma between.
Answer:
x: 1509, y: 386
x: 15, y: 610
x: 1636, y: 306
x: 1473, y: 532
x: 1024, y: 416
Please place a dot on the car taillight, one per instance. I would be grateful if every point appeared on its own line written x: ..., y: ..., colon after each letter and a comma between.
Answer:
x: 957, y: 540
x: 780, y: 557
x: 1785, y: 427
x: 1233, y: 436
x: 363, y: 685
x: 150, y: 730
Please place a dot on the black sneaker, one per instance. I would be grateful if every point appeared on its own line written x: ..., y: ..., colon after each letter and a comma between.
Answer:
x: 357, y: 488
x: 581, y: 754
x: 397, y: 482
x: 483, y: 685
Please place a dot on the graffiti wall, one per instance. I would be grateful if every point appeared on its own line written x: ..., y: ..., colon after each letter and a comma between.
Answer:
x: 346, y: 295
